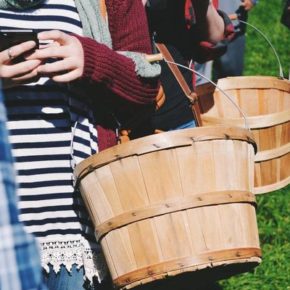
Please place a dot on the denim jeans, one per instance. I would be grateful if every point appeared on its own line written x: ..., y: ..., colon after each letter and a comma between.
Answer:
x: 74, y: 280
x: 190, y: 124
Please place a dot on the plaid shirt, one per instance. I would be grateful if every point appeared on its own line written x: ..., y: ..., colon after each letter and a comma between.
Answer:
x: 19, y: 260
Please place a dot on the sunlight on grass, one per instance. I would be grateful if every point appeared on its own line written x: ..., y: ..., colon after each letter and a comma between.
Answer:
x: 260, y: 59
x: 273, y: 216
x: 273, y: 211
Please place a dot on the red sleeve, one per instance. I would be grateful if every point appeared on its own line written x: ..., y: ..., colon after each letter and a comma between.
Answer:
x: 129, y: 31
x: 215, y: 3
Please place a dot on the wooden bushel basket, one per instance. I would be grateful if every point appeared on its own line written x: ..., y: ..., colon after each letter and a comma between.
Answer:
x: 266, y: 103
x: 174, y: 204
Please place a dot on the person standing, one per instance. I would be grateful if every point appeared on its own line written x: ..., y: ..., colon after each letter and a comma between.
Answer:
x: 197, y: 34
x: 205, y: 69
x: 64, y: 101
x: 232, y: 62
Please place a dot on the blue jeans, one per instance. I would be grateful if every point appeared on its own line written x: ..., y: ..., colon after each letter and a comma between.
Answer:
x: 190, y: 124
x: 74, y: 280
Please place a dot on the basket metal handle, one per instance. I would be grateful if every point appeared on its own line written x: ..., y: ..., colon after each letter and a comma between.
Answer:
x: 236, y: 17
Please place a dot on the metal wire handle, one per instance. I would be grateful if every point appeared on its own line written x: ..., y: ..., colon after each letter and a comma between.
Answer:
x: 213, y: 83
x: 159, y: 57
x: 236, y: 17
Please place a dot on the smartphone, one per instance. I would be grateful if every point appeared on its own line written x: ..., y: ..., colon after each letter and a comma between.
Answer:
x: 9, y: 38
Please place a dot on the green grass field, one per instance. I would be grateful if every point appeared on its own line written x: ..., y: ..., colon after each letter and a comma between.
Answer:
x: 260, y: 59
x: 273, y: 212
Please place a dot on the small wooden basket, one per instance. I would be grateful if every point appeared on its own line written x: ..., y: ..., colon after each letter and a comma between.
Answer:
x: 174, y: 204
x: 266, y: 104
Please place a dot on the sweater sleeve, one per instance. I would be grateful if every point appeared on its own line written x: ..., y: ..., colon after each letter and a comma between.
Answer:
x: 129, y: 32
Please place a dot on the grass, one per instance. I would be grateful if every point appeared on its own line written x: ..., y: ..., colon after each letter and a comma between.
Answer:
x: 273, y: 215
x: 273, y: 212
x: 260, y: 59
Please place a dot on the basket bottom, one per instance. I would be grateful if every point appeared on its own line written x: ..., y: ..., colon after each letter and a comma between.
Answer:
x: 200, y: 277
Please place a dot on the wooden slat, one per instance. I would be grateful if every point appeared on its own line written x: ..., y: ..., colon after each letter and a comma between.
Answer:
x: 161, y: 175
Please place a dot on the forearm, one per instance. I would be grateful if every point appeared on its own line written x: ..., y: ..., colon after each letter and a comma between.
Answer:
x: 206, y: 50
x: 209, y: 24
x: 215, y: 25
x: 129, y: 32
x: 116, y: 72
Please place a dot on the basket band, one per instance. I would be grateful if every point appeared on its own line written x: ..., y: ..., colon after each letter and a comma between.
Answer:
x: 272, y: 153
x: 254, y: 122
x: 272, y: 187
x: 189, y: 202
x: 188, y: 263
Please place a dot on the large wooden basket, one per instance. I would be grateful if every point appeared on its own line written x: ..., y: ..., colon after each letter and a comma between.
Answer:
x: 172, y: 204
x: 266, y: 103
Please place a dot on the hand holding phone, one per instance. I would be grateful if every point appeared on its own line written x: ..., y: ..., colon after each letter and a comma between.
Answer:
x: 9, y: 38
x: 15, y: 68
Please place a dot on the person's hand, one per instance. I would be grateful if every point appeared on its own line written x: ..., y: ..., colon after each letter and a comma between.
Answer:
x: 13, y: 74
x: 67, y: 53
x: 247, y: 4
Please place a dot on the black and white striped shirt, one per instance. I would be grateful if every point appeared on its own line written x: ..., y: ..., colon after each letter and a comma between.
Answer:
x: 51, y: 128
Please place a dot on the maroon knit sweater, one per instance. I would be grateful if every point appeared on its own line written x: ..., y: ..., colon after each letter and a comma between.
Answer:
x: 129, y: 31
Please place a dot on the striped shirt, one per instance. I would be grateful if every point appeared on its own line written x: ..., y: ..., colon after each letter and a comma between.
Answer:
x: 51, y: 129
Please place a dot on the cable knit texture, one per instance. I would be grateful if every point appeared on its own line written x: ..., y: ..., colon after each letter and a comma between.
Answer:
x: 129, y: 31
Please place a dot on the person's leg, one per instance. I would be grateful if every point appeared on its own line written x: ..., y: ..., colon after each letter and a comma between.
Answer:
x: 232, y: 62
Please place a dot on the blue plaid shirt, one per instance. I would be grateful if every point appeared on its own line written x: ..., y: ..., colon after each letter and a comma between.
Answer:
x: 19, y: 260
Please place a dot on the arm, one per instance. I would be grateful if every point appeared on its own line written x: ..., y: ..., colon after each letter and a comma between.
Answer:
x: 129, y: 32
x: 82, y: 58
x: 215, y: 25
x: 203, y: 51
x: 209, y: 25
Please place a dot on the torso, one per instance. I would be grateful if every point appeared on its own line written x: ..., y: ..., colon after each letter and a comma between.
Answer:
x: 51, y: 128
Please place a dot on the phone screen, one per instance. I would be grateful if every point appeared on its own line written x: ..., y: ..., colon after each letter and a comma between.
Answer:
x: 10, y: 38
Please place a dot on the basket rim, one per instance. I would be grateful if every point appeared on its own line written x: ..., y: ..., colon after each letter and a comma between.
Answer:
x: 254, y: 122
x: 254, y: 82
x: 161, y: 141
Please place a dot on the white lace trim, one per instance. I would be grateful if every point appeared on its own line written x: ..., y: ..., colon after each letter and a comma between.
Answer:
x: 79, y: 252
